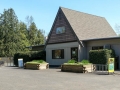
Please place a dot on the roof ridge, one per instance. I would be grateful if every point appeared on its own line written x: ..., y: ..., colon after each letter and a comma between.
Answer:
x: 82, y: 12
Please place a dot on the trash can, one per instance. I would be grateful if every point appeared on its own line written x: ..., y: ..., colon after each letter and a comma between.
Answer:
x: 20, y: 62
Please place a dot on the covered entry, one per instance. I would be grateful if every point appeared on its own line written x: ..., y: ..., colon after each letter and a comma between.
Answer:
x: 74, y: 53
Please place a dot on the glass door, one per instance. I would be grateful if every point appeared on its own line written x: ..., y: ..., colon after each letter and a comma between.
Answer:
x: 74, y: 53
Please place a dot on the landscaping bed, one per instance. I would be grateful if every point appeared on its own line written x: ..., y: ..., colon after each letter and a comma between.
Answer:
x: 77, y: 67
x: 36, y: 65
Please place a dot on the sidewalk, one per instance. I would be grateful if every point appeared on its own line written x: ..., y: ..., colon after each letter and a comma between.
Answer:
x: 117, y: 72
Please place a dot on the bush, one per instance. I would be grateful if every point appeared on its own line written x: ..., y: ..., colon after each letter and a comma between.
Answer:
x: 85, y: 61
x: 26, y: 57
x: 38, y: 55
x: 101, y: 56
x: 71, y: 61
x: 74, y: 62
x: 29, y: 56
x: 37, y: 61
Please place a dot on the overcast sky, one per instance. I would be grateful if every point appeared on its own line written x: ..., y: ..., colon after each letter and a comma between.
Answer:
x: 44, y: 11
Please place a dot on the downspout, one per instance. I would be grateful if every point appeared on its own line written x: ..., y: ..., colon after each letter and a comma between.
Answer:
x: 81, y: 43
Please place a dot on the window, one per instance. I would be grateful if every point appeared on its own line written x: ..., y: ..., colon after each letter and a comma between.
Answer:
x: 58, y: 54
x: 60, y: 30
x: 97, y: 47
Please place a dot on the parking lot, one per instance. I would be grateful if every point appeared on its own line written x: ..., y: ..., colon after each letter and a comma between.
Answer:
x: 14, y: 78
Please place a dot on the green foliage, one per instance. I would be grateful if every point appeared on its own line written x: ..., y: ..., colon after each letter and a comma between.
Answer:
x: 38, y: 55
x: 71, y: 61
x: 40, y: 37
x: 37, y: 61
x: 15, y: 35
x: 85, y: 61
x: 24, y: 56
x: 78, y: 63
x: 35, y: 35
x: 8, y: 28
x: 29, y: 56
x: 32, y: 33
x: 100, y: 56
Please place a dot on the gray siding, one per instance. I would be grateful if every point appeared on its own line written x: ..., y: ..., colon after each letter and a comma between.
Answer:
x: 115, y: 44
x: 67, y: 52
x: 83, y: 53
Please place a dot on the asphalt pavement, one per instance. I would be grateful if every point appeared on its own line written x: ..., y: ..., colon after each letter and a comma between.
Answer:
x: 14, y: 78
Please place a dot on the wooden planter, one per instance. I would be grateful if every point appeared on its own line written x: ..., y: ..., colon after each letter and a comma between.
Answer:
x: 36, y: 66
x: 77, y: 68
x: 88, y: 68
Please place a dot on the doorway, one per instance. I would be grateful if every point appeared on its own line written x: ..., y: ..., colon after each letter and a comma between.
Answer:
x: 74, y: 53
x: 116, y: 63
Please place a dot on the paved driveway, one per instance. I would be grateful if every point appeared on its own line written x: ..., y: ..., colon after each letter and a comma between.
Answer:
x: 13, y: 78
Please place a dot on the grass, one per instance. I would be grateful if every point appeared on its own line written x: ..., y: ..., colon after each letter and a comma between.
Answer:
x: 73, y: 62
x: 36, y: 62
x: 79, y: 63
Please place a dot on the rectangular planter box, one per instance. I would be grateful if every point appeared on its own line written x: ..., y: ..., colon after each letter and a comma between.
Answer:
x: 36, y: 66
x: 88, y: 68
x: 77, y: 68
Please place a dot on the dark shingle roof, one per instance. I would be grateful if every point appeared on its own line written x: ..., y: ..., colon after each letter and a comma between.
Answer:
x: 87, y: 26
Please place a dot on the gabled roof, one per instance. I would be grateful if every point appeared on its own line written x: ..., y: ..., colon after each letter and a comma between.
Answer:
x: 107, y: 38
x: 87, y: 26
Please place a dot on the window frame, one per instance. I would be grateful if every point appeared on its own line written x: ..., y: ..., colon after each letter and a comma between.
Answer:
x: 97, y: 47
x: 61, y: 54
x: 61, y: 32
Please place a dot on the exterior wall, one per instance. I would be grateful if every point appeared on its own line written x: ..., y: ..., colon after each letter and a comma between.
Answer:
x: 115, y: 44
x: 83, y: 54
x: 67, y: 52
x: 64, y: 37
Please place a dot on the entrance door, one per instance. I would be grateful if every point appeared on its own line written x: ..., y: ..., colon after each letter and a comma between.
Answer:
x: 116, y: 63
x: 74, y: 53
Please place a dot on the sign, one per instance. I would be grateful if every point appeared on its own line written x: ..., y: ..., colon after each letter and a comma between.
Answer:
x: 111, y: 65
x: 20, y: 62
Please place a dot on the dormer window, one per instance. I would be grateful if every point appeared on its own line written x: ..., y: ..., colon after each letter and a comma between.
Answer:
x: 60, y: 30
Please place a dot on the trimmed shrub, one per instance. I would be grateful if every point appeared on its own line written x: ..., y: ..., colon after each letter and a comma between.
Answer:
x: 71, y: 61
x: 38, y: 55
x: 25, y: 57
x: 29, y: 56
x: 85, y: 61
x: 101, y: 56
x: 36, y: 61
x: 74, y: 62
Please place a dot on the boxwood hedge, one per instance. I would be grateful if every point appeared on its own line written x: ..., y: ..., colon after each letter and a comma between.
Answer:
x: 101, y: 56
x: 29, y: 56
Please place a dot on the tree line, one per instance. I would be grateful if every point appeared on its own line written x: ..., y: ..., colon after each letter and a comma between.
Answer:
x: 16, y: 35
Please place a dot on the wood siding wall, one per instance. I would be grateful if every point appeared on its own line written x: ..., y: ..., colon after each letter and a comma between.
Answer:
x: 64, y: 37
x: 67, y: 52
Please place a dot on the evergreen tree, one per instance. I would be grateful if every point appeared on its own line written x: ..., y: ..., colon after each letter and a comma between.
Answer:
x: 32, y: 33
x: 15, y: 36
x: 8, y: 28
x: 22, y: 41
x: 1, y: 36
x: 40, y: 37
